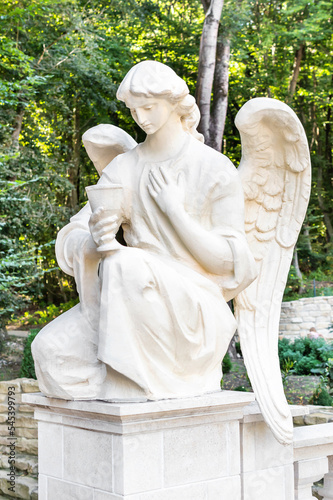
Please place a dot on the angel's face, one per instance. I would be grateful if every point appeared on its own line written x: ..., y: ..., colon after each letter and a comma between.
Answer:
x: 150, y: 113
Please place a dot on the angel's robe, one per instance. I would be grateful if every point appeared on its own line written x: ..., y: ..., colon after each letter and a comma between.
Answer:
x: 152, y: 322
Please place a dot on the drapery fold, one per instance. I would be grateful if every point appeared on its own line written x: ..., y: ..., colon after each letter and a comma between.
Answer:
x: 153, y: 322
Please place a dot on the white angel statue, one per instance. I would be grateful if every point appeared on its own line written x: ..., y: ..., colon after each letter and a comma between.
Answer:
x: 153, y: 320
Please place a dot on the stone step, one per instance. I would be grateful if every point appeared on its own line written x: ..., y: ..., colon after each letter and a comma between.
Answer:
x: 18, y: 333
x: 318, y: 418
x: 34, y: 494
x: 23, y: 462
x: 28, y: 463
x: 25, y: 487
x: 317, y: 415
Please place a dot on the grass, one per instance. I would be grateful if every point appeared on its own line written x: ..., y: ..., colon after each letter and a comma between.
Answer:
x: 300, y: 388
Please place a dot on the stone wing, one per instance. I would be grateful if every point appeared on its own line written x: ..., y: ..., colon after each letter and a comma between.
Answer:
x: 104, y: 142
x: 275, y: 171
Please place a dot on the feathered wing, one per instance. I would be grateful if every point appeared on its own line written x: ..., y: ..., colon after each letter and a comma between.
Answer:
x: 104, y: 142
x: 276, y: 177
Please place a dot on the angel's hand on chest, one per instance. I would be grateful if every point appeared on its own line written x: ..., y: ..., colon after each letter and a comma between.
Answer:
x: 168, y: 194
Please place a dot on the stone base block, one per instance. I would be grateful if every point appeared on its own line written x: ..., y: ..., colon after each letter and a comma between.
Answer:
x: 186, y: 449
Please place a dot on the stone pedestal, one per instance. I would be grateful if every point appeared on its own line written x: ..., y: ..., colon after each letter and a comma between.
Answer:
x: 188, y: 449
x: 267, y: 465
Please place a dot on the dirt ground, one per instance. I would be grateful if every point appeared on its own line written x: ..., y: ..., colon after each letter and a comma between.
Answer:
x: 11, y: 358
x: 298, y: 389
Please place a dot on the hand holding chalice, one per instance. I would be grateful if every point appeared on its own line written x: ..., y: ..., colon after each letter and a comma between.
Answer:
x: 106, y: 205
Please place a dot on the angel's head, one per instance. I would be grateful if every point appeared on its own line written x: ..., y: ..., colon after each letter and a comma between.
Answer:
x: 154, y: 92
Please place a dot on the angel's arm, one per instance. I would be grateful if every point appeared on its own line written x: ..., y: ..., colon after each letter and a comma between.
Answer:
x: 86, y: 230
x: 211, y: 248
x: 74, y: 239
x: 103, y: 144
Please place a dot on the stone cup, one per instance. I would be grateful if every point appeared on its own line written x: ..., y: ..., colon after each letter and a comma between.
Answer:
x: 110, y: 198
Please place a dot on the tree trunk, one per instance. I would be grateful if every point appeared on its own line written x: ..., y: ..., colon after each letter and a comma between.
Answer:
x: 298, y: 271
x: 206, y: 69
x: 322, y: 206
x: 306, y: 232
x: 328, y: 143
x: 220, y: 93
x: 232, y: 348
x: 205, y: 4
x: 297, y: 66
x: 317, y: 140
x: 18, y: 128
x: 74, y: 169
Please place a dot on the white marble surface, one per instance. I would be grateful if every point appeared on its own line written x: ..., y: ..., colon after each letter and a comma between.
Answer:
x: 153, y: 321
x: 306, y: 473
x: 50, y: 451
x: 138, y: 462
x: 275, y: 483
x: 221, y: 400
x: 313, y: 441
x: 87, y: 458
x: 276, y: 176
x: 184, y: 452
x: 261, y: 451
x: 195, y: 451
x: 252, y: 412
x: 201, y: 453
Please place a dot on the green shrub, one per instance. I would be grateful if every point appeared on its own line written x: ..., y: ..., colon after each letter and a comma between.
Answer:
x: 45, y: 315
x: 226, y: 364
x: 321, y: 287
x: 3, y: 336
x: 321, y: 397
x: 309, y: 365
x: 310, y: 356
x: 293, y: 285
x: 28, y: 365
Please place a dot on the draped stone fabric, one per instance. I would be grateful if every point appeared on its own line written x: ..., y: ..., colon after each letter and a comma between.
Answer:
x: 152, y: 322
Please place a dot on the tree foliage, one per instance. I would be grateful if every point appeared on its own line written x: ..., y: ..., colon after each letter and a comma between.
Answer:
x: 61, y: 62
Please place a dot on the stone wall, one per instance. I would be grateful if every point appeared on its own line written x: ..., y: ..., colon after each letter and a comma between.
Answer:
x: 298, y: 316
x: 24, y: 439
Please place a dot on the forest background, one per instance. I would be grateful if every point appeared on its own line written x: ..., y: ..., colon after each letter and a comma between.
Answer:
x: 61, y: 62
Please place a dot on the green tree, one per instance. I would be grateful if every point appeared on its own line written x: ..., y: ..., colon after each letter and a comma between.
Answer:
x: 61, y: 62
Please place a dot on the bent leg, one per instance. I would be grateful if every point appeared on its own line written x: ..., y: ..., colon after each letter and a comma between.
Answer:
x: 162, y: 325
x: 65, y: 354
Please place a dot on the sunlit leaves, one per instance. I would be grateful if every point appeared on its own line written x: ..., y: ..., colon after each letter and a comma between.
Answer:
x: 60, y: 64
